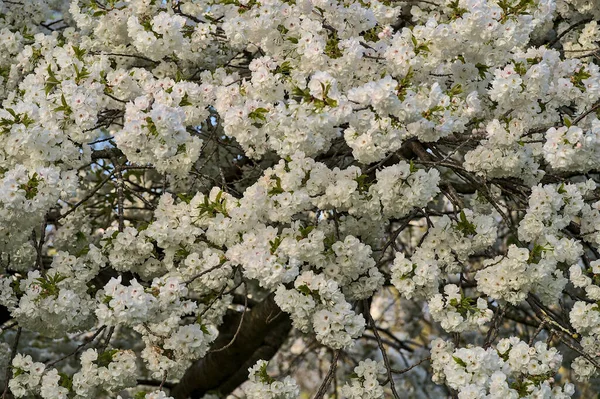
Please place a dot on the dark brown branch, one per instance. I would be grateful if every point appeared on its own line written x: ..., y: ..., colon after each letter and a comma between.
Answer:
x: 386, y: 361
x: 327, y: 380
x: 264, y: 330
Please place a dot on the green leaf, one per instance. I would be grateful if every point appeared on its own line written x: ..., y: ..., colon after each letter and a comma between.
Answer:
x: 259, y: 114
x: 65, y: 381
x: 151, y: 126
x: 578, y: 78
x: 79, y: 53
x: 80, y: 74
x: 211, y: 208
x: 185, y: 197
x: 64, y: 107
x: 464, y: 226
x: 106, y: 357
x: 277, y: 189
x: 331, y: 47
x: 455, y: 90
x: 49, y: 285
x: 459, y: 361
x: 265, y: 378
x: 51, y: 82
x: 304, y: 290
x: 185, y: 101
x: 17, y: 371
x: 31, y: 187
x: 483, y: 69
x: 536, y: 253
x: 457, y: 12
x: 284, y: 69
x: 520, y: 68
x: 363, y: 183
x: 275, y: 244
x: 412, y: 167
x: 304, y: 232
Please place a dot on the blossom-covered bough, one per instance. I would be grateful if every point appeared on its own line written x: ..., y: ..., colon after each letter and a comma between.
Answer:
x: 299, y: 198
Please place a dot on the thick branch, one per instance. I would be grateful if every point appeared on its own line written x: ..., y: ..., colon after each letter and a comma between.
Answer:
x: 264, y: 330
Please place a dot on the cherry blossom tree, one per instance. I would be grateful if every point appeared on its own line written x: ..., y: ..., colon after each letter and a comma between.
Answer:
x: 299, y: 198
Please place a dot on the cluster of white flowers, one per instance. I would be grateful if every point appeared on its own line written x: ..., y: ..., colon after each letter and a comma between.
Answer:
x: 521, y: 271
x: 262, y: 386
x: 585, y: 318
x: 155, y: 132
x: 365, y: 384
x: 158, y: 36
x: 457, y: 313
x: 588, y: 279
x: 173, y: 352
x: 511, y: 370
x: 316, y: 304
x: 156, y: 313
x: 401, y: 189
x: 107, y: 371
x: 27, y: 375
x: 572, y: 148
x: 25, y: 195
x: 339, y: 121
x: 503, y: 154
x: 264, y: 256
x: 129, y: 250
x: 56, y: 302
x: 157, y: 395
x: 354, y: 269
x: 446, y: 245
x: 417, y: 276
x: 453, y: 241
x: 590, y: 222
x: 128, y: 305
x: 506, y: 277
x: 551, y: 208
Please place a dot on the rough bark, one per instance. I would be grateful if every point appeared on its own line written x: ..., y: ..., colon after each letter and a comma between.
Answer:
x: 264, y: 329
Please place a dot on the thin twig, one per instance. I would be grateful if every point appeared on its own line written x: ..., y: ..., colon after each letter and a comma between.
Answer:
x: 239, y: 327
x: 386, y: 361
x: 586, y: 113
x: 325, y: 384
x: 395, y: 235
x: 402, y: 371
x: 79, y: 348
x: 120, y: 195
x: 103, y: 346
x: 87, y: 197
x: 569, y: 29
x: 40, y: 245
x: 537, y: 331
x: 191, y: 279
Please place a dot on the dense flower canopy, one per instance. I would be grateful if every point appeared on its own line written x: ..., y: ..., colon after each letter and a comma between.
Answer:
x: 299, y: 198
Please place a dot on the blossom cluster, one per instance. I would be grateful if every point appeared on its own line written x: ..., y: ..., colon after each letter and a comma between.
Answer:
x: 365, y: 384
x: 108, y: 371
x: 512, y: 369
x: 457, y: 313
x: 316, y: 304
x: 163, y: 163
x: 261, y: 385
